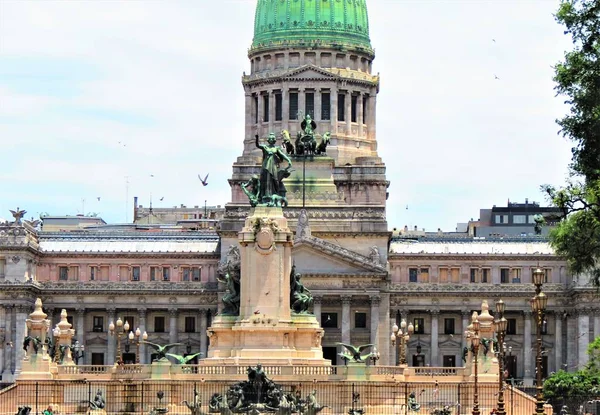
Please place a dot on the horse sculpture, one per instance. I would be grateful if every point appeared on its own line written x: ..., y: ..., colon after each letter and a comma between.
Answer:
x: 287, y: 142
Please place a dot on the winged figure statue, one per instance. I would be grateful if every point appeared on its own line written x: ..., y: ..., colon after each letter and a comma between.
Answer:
x: 18, y: 215
x: 161, y: 351
x: 355, y: 354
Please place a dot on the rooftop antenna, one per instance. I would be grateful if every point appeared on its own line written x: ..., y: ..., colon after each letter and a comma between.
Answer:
x: 150, y: 203
x: 83, y: 206
x: 205, y: 209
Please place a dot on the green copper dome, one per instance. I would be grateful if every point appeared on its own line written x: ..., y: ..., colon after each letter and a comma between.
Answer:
x: 310, y: 22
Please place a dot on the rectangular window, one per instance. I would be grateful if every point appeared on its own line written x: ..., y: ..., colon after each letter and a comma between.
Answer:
x: 98, y: 325
x: 448, y: 326
x: 424, y: 275
x: 325, y: 106
x: 159, y: 324
x: 501, y: 219
x: 485, y: 275
x: 519, y: 219
x: 474, y: 275
x: 186, y: 274
x: 93, y: 273
x: 454, y: 275
x: 166, y: 274
x: 196, y: 273
x: 360, y: 320
x: 515, y: 274
x: 531, y: 218
x: 329, y: 320
x: 154, y: 273
x: 63, y: 273
x: 190, y: 324
x: 265, y: 108
x: 135, y: 273
x: 419, y: 325
x: 504, y: 275
x: 131, y: 322
x: 443, y: 275
x: 365, y: 101
x: 255, y: 109
x: 97, y: 359
x: 293, y: 105
x: 353, y: 108
x: 341, y: 107
x: 511, y: 326
x: 278, y: 107
x: 413, y: 275
x: 309, y: 104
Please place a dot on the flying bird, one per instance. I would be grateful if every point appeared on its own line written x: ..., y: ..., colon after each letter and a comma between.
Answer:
x: 161, y: 351
x: 257, y: 312
x: 98, y: 198
x: 496, y: 77
x: 151, y: 175
x: 494, y: 40
x: 204, y: 182
x: 161, y: 199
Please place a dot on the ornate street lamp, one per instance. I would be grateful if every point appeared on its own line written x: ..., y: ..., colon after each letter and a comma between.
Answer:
x: 475, y: 343
x: 375, y: 356
x: 538, y: 306
x: 500, y: 326
x: 403, y: 335
x: 79, y: 352
x: 120, y: 330
x: 138, y: 334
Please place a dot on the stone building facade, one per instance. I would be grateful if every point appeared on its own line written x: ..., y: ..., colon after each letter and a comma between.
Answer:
x: 315, y: 57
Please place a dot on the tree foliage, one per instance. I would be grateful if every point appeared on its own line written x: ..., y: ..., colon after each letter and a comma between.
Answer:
x: 577, y: 77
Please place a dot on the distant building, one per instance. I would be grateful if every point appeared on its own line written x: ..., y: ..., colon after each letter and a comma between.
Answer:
x: 197, y: 217
x: 69, y: 223
x: 516, y: 219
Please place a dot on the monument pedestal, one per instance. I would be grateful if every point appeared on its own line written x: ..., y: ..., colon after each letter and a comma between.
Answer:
x: 265, y: 331
x: 36, y: 366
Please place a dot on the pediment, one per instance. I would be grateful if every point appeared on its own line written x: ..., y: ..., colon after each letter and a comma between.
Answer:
x: 316, y: 256
x: 450, y: 343
x: 309, y: 72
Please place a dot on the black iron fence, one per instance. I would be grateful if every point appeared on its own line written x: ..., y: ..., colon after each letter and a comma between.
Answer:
x: 144, y: 397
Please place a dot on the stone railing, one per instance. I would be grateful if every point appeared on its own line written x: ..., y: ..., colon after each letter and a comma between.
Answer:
x: 438, y: 371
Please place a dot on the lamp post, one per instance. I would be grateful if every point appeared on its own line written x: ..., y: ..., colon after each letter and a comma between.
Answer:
x: 538, y: 306
x: 79, y: 352
x: 500, y: 326
x: 475, y: 343
x: 403, y: 335
x: 138, y: 334
x: 375, y: 356
x: 120, y: 329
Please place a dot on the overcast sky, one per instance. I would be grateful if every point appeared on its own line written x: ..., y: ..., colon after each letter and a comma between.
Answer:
x: 97, y: 93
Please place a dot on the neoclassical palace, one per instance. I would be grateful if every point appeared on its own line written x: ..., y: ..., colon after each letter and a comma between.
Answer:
x: 307, y: 58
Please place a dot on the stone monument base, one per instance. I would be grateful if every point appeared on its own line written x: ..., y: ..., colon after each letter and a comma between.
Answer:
x: 35, y: 367
x: 261, y: 339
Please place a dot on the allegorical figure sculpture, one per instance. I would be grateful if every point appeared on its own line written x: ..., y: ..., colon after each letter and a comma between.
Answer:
x: 252, y: 189
x: 270, y: 184
x: 98, y: 402
x: 300, y: 297
x: 231, y: 299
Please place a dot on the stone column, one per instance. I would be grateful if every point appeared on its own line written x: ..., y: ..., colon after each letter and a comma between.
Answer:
x: 173, y: 325
x: 334, y: 110
x: 261, y: 115
x: 203, y: 336
x: 249, y: 120
x: 20, y: 332
x: 3, y: 340
x: 359, y: 115
x: 571, y: 340
x: 393, y: 348
x: 302, y: 102
x: 583, y: 338
x: 372, y: 122
x: 318, y: 109
x: 9, y: 345
x: 375, y: 301
x: 346, y: 325
x: 528, y: 361
x: 434, y: 358
x: 348, y: 113
x: 558, y: 356
x: 465, y: 323
x: 317, y: 300
x: 80, y: 333
x: 271, y: 110
x: 142, y: 326
x: 110, y: 338
x: 285, y: 110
